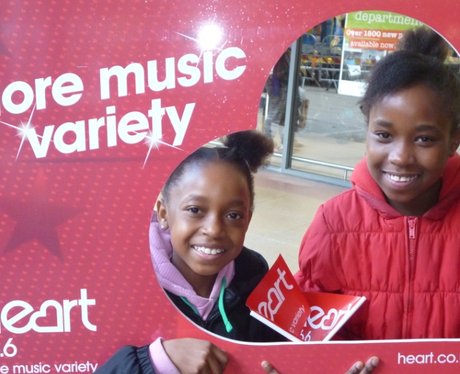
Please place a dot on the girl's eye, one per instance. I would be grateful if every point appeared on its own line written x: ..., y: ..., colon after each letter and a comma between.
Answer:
x: 234, y: 215
x: 383, y: 135
x: 193, y: 210
x: 424, y: 139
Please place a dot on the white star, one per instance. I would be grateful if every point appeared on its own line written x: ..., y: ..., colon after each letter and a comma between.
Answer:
x: 154, y: 141
x: 208, y: 38
x: 23, y: 130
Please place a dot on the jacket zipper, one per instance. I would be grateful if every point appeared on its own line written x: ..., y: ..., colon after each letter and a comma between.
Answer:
x: 412, y: 235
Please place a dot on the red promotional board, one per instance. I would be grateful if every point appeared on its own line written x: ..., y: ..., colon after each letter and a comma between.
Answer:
x: 85, y: 150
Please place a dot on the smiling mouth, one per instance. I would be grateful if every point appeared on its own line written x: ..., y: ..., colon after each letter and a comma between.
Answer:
x: 208, y: 251
x: 401, y: 178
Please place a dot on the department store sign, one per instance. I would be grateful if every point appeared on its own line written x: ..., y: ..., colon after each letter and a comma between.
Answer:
x: 368, y: 36
x: 99, y: 102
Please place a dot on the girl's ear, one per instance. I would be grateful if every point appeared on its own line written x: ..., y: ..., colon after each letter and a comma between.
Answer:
x: 250, y: 215
x: 162, y: 214
x: 454, y: 142
x: 249, y: 221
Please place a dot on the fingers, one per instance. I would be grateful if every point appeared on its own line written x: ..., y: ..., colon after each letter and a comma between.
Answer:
x: 220, y: 354
x: 370, y: 365
x: 268, y: 368
x: 360, y: 367
x: 195, y: 356
x: 217, y: 360
x: 356, y: 368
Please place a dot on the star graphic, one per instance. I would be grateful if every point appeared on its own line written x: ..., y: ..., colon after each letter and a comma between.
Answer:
x: 3, y: 50
x: 154, y: 142
x: 37, y: 219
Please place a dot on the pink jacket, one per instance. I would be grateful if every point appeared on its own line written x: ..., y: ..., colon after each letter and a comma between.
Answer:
x: 407, y: 267
x: 172, y: 280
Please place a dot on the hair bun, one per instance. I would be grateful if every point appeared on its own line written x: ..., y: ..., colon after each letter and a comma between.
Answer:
x: 425, y: 41
x: 250, y: 145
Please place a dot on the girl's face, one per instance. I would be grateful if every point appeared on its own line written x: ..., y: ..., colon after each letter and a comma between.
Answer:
x: 208, y: 212
x: 409, y: 140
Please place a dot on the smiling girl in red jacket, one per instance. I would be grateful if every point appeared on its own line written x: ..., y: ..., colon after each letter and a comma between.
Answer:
x: 394, y: 237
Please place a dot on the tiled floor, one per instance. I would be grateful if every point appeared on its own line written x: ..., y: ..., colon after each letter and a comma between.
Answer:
x: 284, y: 207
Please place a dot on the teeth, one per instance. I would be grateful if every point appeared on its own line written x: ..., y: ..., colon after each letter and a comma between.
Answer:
x: 209, y: 251
x: 401, y: 178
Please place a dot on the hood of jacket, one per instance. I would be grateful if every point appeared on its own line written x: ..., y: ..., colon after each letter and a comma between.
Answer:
x: 171, y: 279
x: 366, y: 187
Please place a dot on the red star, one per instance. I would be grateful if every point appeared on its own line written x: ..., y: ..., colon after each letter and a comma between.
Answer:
x: 36, y: 219
x: 3, y: 50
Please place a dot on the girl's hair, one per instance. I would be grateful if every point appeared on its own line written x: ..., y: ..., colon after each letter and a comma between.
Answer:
x: 246, y: 150
x: 419, y: 59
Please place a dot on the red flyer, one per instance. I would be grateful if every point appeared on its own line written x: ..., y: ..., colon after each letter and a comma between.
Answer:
x: 328, y: 313
x: 278, y: 302
x: 301, y: 317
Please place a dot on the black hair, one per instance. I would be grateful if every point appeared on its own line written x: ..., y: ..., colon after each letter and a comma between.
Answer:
x: 419, y: 59
x: 425, y: 41
x: 246, y: 150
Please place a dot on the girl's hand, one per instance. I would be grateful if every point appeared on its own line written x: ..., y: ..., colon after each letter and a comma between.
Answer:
x: 195, y: 356
x: 268, y: 368
x: 358, y: 367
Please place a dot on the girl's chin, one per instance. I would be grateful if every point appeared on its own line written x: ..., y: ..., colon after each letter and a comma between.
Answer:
x: 208, y: 268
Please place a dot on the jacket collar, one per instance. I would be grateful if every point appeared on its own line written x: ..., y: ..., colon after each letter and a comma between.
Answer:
x: 366, y: 187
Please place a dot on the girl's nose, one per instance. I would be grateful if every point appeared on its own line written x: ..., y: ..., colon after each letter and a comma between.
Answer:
x: 213, y: 226
x: 401, y: 154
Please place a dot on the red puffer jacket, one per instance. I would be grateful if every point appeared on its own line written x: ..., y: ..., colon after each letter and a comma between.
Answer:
x: 407, y: 267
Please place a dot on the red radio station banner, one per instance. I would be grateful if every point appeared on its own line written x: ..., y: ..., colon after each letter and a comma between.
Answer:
x: 99, y: 102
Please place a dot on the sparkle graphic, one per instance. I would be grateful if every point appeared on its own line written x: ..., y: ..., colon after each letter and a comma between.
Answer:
x: 154, y: 142
x: 23, y: 130
x: 209, y: 37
